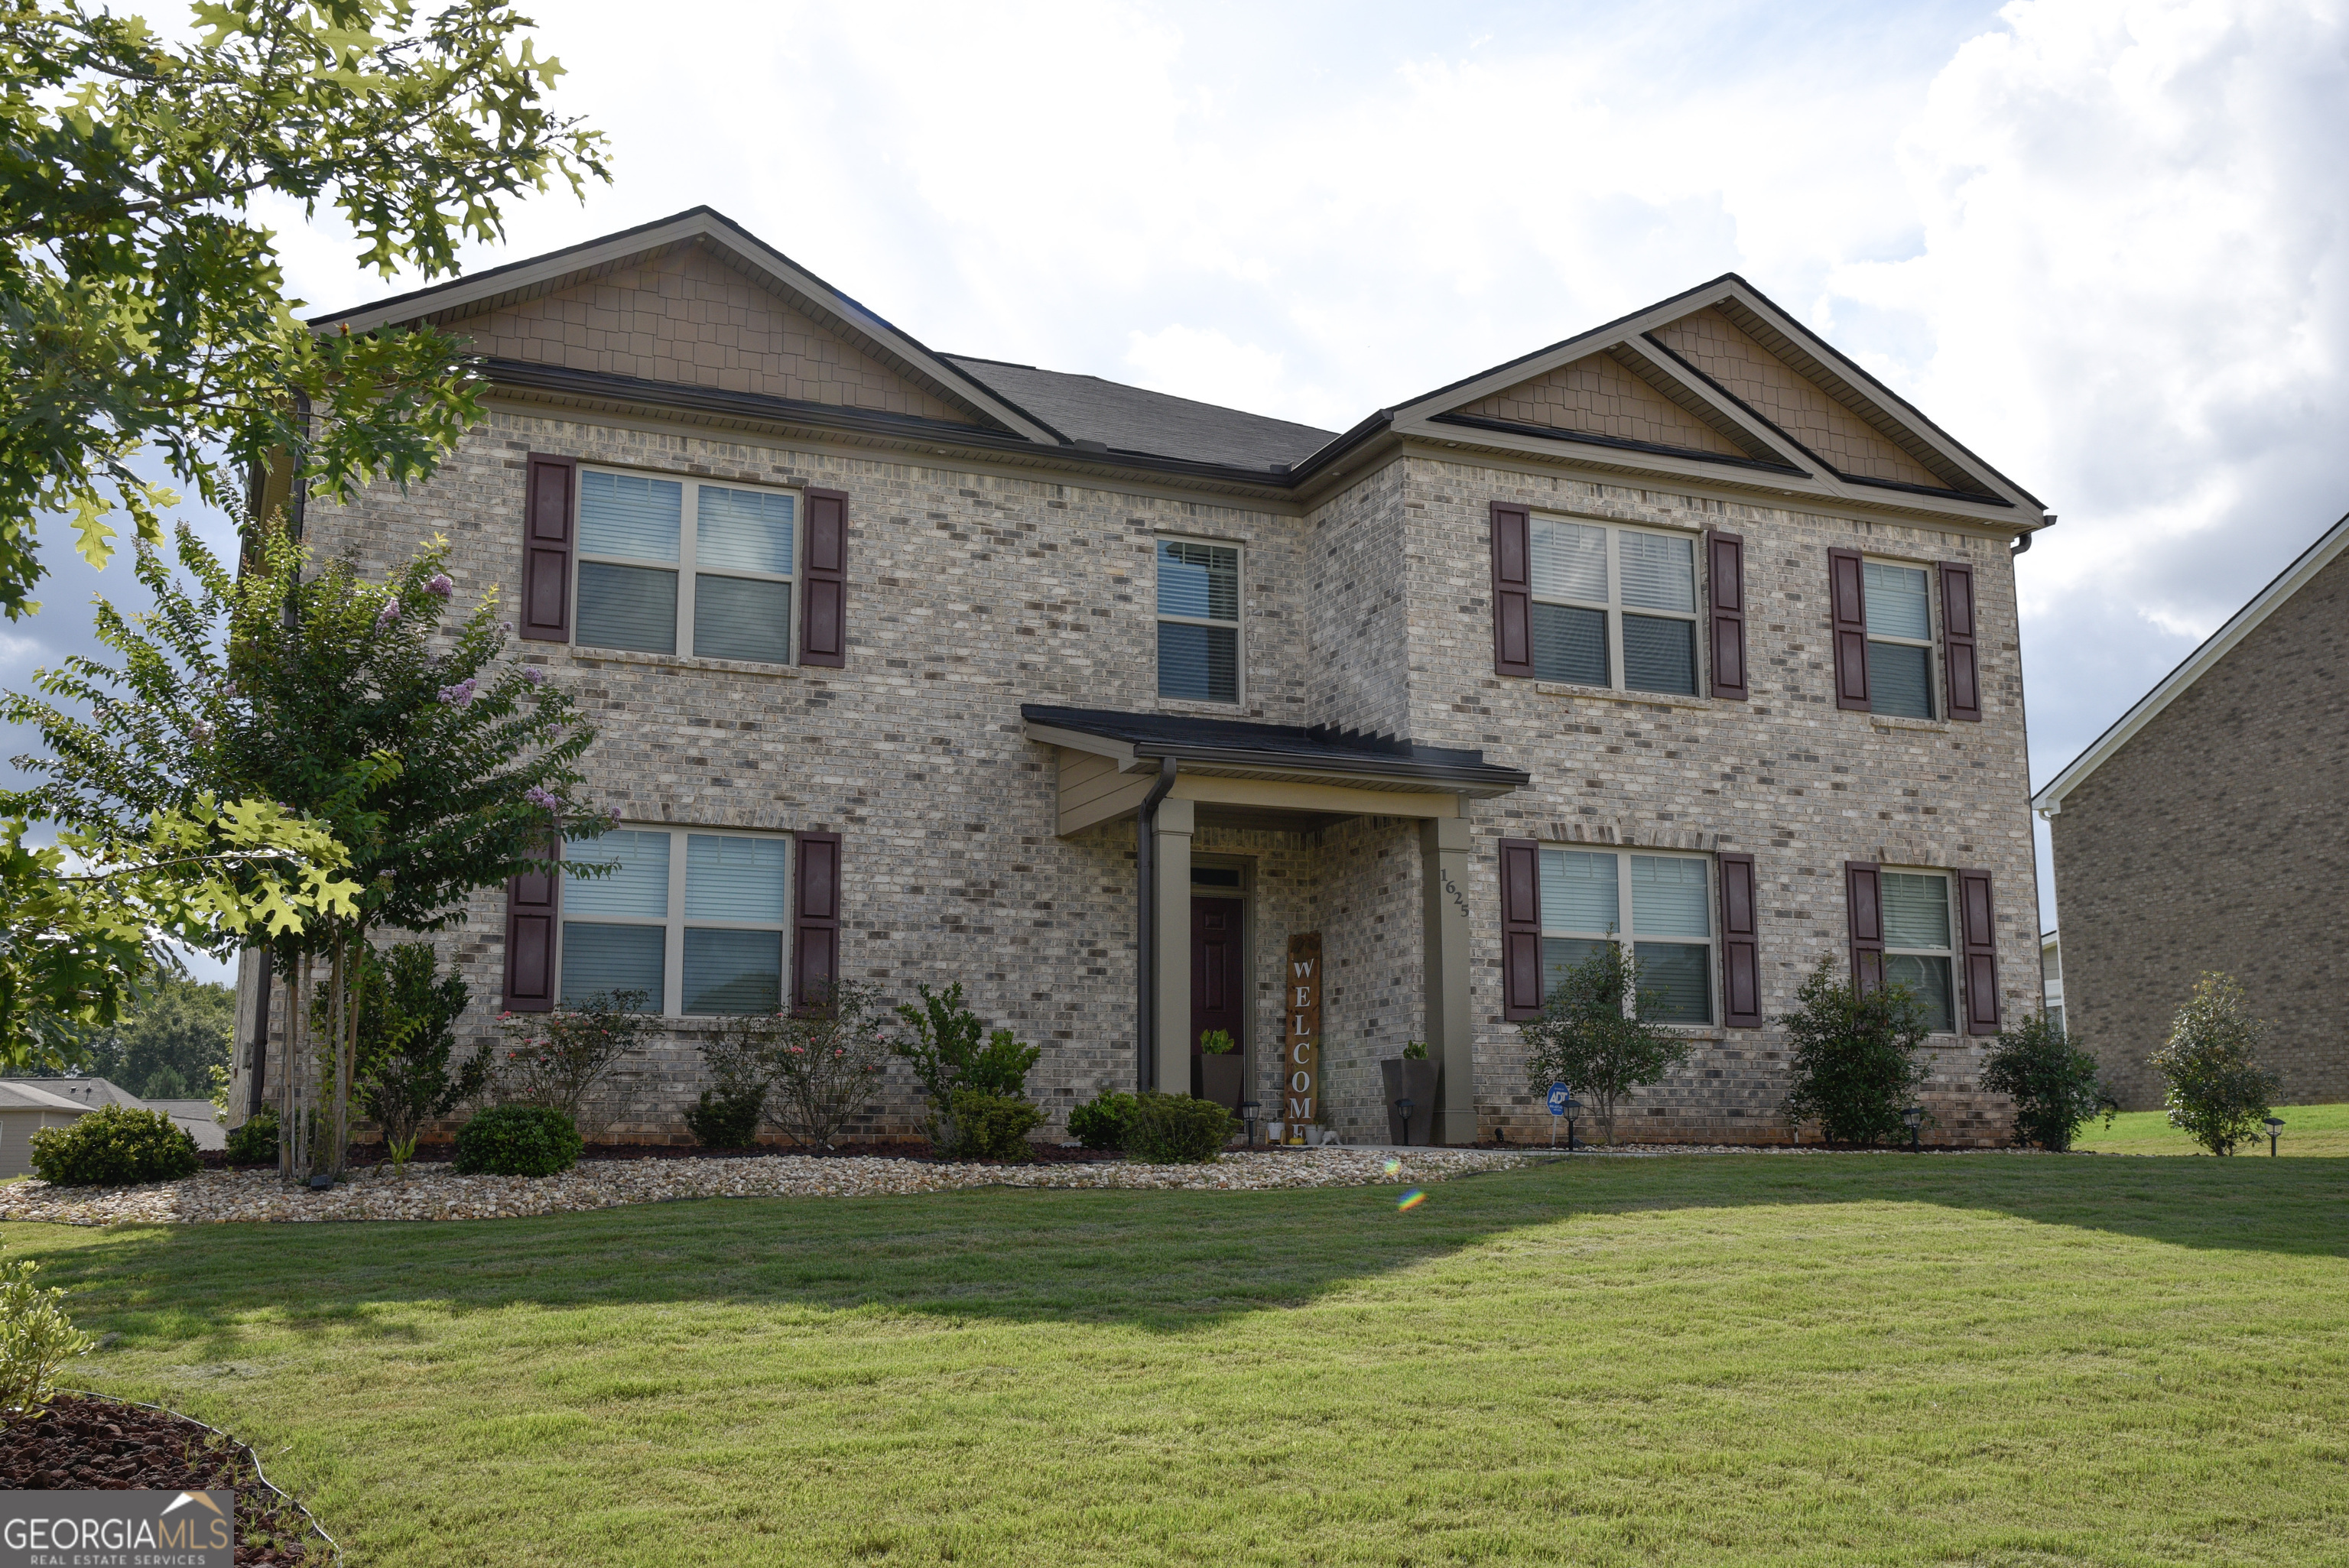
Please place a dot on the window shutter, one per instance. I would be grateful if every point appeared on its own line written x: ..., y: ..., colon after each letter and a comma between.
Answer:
x: 546, y: 548
x: 1741, y: 955
x: 1958, y: 641
x: 1863, y: 905
x: 1521, y: 986
x: 533, y: 906
x: 1724, y: 571
x: 823, y: 569
x: 1513, y: 591
x: 1979, y: 936
x: 815, y: 918
x: 1848, y: 604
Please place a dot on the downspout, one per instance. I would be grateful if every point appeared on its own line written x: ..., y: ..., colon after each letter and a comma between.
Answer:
x: 1145, y: 946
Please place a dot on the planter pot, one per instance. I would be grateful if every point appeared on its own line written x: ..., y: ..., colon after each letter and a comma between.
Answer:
x: 1273, y: 1130
x: 1413, y: 1081
x: 1220, y: 1079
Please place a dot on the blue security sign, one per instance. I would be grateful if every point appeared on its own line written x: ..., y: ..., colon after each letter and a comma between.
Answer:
x: 1559, y: 1096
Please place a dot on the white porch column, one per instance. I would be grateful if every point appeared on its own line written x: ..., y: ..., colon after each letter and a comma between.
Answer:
x: 1444, y: 881
x: 1171, y: 943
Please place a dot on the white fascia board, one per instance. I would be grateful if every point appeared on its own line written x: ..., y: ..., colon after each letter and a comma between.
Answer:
x: 2220, y: 643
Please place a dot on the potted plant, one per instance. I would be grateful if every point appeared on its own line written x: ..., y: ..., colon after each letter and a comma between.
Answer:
x: 1411, y: 1077
x: 1221, y: 1070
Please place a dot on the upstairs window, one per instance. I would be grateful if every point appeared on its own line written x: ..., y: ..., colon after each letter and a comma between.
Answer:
x: 695, y: 920
x: 1614, y: 606
x: 1917, y: 937
x: 1900, y: 639
x: 1198, y: 621
x: 1660, y: 904
x: 668, y: 565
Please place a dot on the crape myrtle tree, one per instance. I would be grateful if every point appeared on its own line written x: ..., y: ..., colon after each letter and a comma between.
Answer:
x: 142, y: 306
x: 441, y: 766
x: 1588, y: 1038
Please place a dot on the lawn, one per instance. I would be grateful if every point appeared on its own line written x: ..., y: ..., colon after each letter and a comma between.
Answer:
x: 2308, y: 1130
x: 1991, y: 1359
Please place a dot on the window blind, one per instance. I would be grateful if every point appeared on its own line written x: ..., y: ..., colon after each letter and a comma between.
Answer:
x: 1899, y: 604
x: 1916, y: 909
x: 630, y: 515
x: 1569, y: 559
x: 628, y: 607
x: 1202, y: 581
x: 742, y: 618
x: 729, y: 878
x: 1659, y: 574
x: 1579, y: 893
x: 747, y: 529
x: 638, y: 889
x: 1669, y: 897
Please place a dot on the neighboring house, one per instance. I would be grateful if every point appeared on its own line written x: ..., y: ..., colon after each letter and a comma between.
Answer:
x: 25, y: 1110
x: 2051, y: 979
x: 195, y: 1116
x: 1684, y: 632
x: 2205, y: 830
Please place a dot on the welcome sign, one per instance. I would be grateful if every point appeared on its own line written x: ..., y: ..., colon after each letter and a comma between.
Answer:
x: 1301, y: 1099
x: 117, y: 1529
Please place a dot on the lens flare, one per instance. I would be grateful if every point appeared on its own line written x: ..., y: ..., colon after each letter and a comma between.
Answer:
x: 1409, y: 1200
x: 1393, y: 1168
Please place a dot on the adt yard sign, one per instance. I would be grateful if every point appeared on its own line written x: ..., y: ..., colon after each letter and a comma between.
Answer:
x: 1558, y: 1095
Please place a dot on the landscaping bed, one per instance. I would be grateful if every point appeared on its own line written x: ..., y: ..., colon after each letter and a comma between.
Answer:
x: 85, y: 1442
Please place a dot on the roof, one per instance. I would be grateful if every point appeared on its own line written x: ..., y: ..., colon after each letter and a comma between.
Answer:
x: 2220, y: 643
x: 1233, y: 742
x: 89, y: 1093
x: 1133, y: 420
x: 20, y: 1096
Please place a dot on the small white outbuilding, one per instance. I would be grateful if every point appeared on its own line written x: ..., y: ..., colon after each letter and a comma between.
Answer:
x: 24, y: 1112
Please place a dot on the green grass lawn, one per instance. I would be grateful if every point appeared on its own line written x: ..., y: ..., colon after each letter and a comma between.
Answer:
x: 1848, y: 1359
x: 2308, y: 1130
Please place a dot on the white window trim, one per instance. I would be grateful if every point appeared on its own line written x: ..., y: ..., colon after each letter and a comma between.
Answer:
x: 1625, y: 899
x: 672, y: 997
x: 1616, y: 609
x: 1237, y: 624
x: 688, y: 550
x: 1949, y: 955
x: 1930, y: 642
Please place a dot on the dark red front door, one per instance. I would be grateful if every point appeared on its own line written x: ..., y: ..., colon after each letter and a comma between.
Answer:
x: 1217, y: 983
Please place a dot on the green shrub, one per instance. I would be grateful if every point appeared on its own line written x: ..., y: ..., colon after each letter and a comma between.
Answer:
x: 1100, y: 1122
x: 993, y: 1125
x: 2052, y: 1081
x: 2216, y: 1091
x: 253, y: 1141
x: 1176, y: 1129
x: 1585, y: 1039
x: 518, y: 1141
x: 114, y: 1146
x: 1853, y: 1058
x: 728, y: 1119
x: 36, y: 1338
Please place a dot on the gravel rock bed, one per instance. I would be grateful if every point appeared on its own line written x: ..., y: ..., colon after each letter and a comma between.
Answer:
x: 217, y: 1197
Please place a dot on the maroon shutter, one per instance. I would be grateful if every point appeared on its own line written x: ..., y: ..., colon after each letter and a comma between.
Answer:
x: 1512, y: 590
x: 1864, y: 904
x: 533, y: 907
x: 1724, y: 559
x: 815, y: 921
x: 823, y: 569
x: 546, y: 512
x: 1979, y: 936
x: 1521, y: 967
x: 1848, y: 604
x: 1958, y: 641
x: 1741, y: 955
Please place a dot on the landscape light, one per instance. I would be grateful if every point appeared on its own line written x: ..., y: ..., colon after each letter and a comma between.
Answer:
x: 1915, y: 1117
x: 1403, y: 1106
x: 2274, y: 1126
x: 1249, y: 1107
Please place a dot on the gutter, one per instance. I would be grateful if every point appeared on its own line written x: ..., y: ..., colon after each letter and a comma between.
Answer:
x: 1145, y: 945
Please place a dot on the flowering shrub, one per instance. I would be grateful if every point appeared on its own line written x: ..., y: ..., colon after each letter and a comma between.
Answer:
x: 576, y: 1059
x: 816, y: 1069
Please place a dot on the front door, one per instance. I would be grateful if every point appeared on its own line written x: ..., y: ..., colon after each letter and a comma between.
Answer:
x: 1217, y: 984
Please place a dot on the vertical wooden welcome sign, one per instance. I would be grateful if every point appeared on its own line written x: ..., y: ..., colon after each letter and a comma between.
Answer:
x: 1300, y: 1096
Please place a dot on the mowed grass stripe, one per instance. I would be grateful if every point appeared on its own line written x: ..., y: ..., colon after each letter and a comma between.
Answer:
x: 1836, y: 1359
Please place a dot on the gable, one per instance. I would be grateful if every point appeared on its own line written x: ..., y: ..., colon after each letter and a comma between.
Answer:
x: 685, y: 316
x: 1601, y: 396
x: 1795, y: 404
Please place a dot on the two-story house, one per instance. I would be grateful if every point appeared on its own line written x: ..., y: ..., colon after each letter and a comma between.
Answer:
x: 909, y: 667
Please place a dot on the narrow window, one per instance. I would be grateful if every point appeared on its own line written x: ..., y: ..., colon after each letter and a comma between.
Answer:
x: 1614, y: 607
x: 640, y: 538
x: 1661, y: 904
x: 1917, y: 938
x: 696, y: 921
x: 1899, y: 639
x: 1198, y: 621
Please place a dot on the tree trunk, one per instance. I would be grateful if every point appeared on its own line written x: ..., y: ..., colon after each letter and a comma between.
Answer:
x: 353, y: 996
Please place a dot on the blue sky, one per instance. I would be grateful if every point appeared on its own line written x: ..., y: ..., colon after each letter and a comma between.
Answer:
x: 2105, y: 244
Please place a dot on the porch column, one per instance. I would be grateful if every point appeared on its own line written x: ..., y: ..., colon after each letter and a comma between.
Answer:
x: 1444, y: 885
x: 1170, y: 940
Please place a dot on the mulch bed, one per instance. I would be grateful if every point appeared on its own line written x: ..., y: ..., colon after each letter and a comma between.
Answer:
x: 84, y: 1442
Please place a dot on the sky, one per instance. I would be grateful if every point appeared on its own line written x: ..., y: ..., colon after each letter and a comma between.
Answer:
x: 2104, y: 244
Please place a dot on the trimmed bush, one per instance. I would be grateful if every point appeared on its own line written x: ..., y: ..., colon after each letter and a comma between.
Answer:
x: 726, y: 1119
x: 2052, y: 1081
x: 1176, y: 1129
x: 1100, y: 1122
x: 2215, y: 1089
x: 518, y: 1141
x: 993, y: 1125
x: 1853, y: 1058
x: 253, y: 1141
x: 114, y: 1146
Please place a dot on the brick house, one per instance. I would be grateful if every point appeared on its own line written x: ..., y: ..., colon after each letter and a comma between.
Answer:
x: 919, y: 667
x: 2204, y: 830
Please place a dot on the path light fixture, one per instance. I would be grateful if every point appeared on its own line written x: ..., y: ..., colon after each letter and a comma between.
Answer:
x: 1402, y: 1107
x: 1915, y: 1117
x: 1249, y: 1107
x: 2274, y: 1126
x: 1573, y: 1108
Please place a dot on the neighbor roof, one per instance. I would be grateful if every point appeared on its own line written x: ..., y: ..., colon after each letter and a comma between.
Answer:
x: 24, y: 1096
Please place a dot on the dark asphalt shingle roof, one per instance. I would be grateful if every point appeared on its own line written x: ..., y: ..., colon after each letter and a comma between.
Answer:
x: 1130, y: 419
x: 1230, y: 740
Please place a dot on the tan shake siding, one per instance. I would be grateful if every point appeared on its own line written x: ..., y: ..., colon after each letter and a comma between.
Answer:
x: 1602, y: 397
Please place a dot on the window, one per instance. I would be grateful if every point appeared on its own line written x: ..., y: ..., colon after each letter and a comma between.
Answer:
x: 640, y: 538
x: 1590, y: 896
x: 1916, y: 940
x: 1900, y: 639
x: 1198, y: 621
x: 1609, y: 599
x: 696, y: 921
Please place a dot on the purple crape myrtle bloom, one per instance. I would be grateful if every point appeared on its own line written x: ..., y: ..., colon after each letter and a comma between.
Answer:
x: 439, y: 587
x: 460, y: 694
x: 534, y: 675
x: 387, y: 615
x: 540, y: 797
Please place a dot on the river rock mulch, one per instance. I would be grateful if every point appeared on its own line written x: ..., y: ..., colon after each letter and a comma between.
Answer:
x: 435, y: 1192
x: 85, y: 1442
